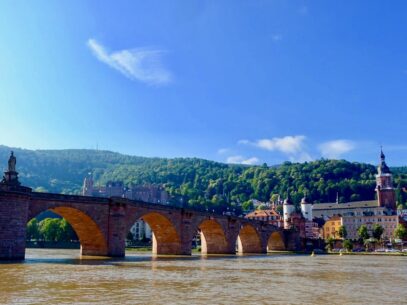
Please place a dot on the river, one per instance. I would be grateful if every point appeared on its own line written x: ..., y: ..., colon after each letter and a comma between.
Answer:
x: 50, y: 276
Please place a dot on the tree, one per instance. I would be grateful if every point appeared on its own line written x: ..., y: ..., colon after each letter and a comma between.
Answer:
x: 262, y: 207
x: 370, y: 241
x: 342, y: 232
x: 33, y: 231
x: 130, y: 236
x: 50, y: 229
x: 348, y: 245
x: 40, y: 189
x: 247, y: 206
x: 66, y: 233
x: 363, y: 233
x: 274, y: 198
x: 400, y: 232
x: 330, y: 243
x: 377, y: 231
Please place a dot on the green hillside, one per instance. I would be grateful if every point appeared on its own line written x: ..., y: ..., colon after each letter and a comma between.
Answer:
x: 198, y: 182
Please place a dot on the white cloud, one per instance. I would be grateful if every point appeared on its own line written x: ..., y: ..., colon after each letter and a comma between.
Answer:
x: 292, y: 146
x: 334, y: 149
x: 287, y: 144
x: 140, y: 64
x: 242, y: 160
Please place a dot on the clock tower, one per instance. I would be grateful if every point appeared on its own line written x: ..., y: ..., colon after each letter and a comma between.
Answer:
x: 386, y: 195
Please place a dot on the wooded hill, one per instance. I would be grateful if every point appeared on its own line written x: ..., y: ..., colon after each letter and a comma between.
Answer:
x: 198, y: 182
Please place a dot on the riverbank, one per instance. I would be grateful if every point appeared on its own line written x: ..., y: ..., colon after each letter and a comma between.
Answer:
x: 370, y: 253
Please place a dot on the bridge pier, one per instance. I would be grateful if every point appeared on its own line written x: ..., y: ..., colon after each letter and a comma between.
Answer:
x: 292, y: 240
x: 116, y: 238
x: 13, y: 223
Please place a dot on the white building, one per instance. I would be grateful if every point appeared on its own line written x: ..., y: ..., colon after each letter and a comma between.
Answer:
x: 141, y: 230
x: 306, y: 209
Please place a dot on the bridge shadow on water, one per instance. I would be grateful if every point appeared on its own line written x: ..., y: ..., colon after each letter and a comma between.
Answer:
x: 53, y: 256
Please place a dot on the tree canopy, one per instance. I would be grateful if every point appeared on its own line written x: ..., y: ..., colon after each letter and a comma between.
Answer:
x: 198, y: 182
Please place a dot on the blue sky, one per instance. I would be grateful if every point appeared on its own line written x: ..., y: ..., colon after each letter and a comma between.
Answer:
x: 233, y: 81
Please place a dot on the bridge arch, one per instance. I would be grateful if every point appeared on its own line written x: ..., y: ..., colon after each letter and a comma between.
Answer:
x: 165, y: 238
x: 91, y: 237
x: 213, y: 237
x: 275, y: 242
x: 248, y: 240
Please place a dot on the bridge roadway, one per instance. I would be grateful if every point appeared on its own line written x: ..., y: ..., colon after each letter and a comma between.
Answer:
x: 102, y: 225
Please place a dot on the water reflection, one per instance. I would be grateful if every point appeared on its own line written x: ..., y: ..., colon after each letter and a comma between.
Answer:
x: 61, y: 276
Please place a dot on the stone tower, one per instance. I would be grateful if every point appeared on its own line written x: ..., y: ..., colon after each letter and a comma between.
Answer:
x: 87, y: 188
x: 386, y: 196
x: 288, y: 210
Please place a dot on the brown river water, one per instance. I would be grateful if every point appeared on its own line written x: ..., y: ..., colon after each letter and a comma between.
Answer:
x: 61, y: 277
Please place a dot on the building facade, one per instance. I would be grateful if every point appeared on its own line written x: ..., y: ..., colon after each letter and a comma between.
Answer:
x: 387, y: 222
x: 331, y: 227
x: 141, y: 230
x: 270, y: 216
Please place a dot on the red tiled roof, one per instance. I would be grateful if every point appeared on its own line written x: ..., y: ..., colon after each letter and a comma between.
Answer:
x: 262, y: 213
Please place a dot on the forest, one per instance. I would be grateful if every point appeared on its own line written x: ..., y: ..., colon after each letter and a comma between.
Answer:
x: 201, y: 183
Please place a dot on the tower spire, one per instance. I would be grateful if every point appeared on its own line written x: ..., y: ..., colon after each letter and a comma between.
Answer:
x: 382, y: 156
x: 383, y: 168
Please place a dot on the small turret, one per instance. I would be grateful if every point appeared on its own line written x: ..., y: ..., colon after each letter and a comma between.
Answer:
x: 306, y: 208
x: 288, y: 209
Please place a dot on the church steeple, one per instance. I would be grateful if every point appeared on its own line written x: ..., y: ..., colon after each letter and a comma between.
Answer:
x: 384, y: 184
x: 383, y: 168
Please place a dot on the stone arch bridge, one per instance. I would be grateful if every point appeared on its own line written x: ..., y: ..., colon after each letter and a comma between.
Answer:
x: 103, y: 223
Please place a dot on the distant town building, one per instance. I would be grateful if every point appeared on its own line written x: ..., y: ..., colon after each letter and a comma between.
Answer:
x: 141, y: 230
x: 384, y: 205
x: 357, y: 208
x: 270, y: 216
x: 354, y: 214
x: 302, y: 221
x: 331, y: 227
x: 87, y: 188
x: 148, y: 193
x: 353, y: 223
